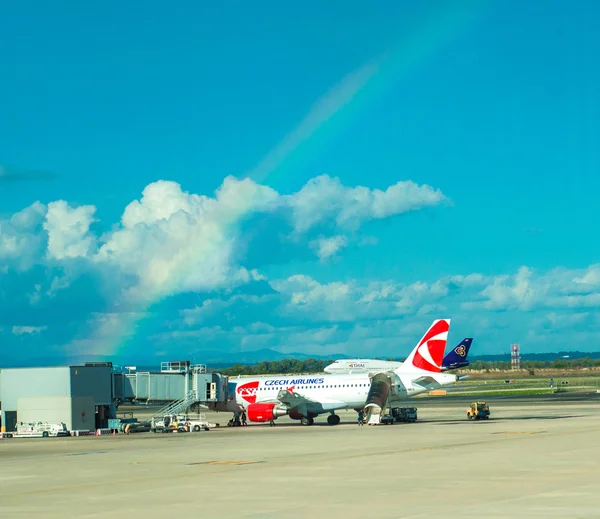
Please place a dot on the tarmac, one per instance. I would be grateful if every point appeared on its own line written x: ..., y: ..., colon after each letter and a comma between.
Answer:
x: 531, y: 459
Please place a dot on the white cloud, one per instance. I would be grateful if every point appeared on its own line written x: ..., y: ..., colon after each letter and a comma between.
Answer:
x: 211, y: 308
x: 327, y: 247
x: 590, y: 278
x: 28, y: 330
x: 21, y: 243
x: 324, y: 200
x: 29, y: 218
x: 387, y: 318
x: 171, y: 241
x: 525, y: 290
x: 562, y: 321
x: 68, y: 230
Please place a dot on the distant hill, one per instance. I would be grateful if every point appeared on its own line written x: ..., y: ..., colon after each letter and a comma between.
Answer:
x: 222, y: 360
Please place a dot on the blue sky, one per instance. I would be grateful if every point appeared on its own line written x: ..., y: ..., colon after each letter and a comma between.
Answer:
x: 120, y: 235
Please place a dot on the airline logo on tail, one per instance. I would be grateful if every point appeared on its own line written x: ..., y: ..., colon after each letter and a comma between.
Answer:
x: 429, y: 353
x: 460, y: 350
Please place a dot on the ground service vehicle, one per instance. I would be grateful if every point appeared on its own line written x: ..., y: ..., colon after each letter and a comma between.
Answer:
x: 404, y: 414
x: 387, y: 419
x: 181, y: 423
x: 479, y: 411
x: 41, y: 430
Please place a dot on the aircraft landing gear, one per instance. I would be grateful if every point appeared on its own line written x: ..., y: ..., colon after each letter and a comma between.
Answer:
x: 306, y: 420
x: 333, y: 419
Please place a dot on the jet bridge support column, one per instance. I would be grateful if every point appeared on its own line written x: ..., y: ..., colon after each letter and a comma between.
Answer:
x: 377, y: 397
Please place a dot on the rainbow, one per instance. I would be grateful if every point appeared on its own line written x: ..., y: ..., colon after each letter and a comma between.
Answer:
x: 329, y: 115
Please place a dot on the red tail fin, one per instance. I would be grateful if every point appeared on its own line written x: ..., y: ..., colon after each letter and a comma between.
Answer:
x: 428, y: 355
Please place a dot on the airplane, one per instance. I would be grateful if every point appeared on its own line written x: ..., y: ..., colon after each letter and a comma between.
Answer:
x: 304, y: 397
x: 456, y: 358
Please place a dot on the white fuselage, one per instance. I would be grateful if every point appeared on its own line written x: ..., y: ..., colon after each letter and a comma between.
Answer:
x: 331, y: 390
x: 361, y: 366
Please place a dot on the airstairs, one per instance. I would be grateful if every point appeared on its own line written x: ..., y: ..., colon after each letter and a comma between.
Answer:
x: 377, y: 398
x: 177, y: 406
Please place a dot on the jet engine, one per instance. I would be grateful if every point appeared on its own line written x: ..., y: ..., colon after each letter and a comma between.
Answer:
x: 265, y: 412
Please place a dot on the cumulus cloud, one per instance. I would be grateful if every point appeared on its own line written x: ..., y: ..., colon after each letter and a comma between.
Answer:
x: 327, y: 247
x: 171, y: 242
x: 68, y: 230
x: 21, y: 241
x: 526, y: 290
x: 88, y: 291
x: 386, y: 318
x: 534, y: 307
x: 354, y: 300
x: 349, y: 207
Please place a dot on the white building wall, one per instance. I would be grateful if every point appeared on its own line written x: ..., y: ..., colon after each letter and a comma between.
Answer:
x: 33, y: 382
x: 45, y: 409
x: 78, y: 413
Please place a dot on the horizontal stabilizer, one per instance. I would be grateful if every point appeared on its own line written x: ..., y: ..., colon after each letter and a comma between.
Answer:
x: 427, y: 382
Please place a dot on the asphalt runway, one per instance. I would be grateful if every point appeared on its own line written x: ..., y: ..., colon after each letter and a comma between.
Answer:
x: 529, y: 460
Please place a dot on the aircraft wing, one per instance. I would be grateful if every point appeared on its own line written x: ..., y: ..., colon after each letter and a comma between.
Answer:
x: 302, y: 403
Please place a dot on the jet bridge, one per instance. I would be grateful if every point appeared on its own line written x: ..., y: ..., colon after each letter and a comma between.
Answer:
x: 177, y: 381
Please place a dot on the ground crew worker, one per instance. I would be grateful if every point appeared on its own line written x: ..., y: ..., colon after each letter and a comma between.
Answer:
x: 244, y: 418
x: 360, y: 417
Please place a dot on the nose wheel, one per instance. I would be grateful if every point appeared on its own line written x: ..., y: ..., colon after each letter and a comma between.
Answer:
x: 333, y: 419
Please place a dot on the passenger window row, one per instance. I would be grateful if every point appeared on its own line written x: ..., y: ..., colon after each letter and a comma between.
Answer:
x: 314, y: 387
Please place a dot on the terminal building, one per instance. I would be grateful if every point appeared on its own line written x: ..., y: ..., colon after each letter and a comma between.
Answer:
x: 86, y: 397
x: 79, y: 396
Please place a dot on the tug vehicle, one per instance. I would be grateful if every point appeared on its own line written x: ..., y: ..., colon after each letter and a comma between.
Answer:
x: 478, y: 411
